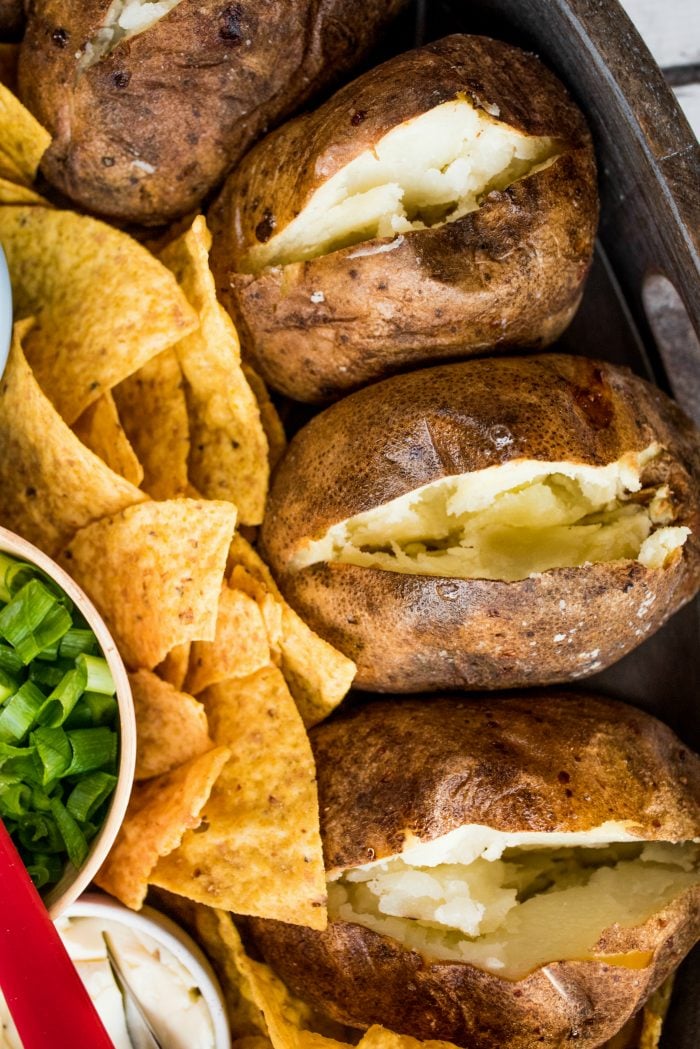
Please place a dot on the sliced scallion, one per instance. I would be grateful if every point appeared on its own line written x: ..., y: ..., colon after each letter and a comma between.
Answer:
x: 15, y: 798
x: 72, y: 835
x: 54, y: 752
x: 87, y: 795
x: 93, y: 748
x: 48, y: 675
x: 10, y: 661
x: 58, y: 705
x: 19, y: 713
x: 13, y: 576
x: 99, y: 676
x: 76, y: 641
x: 39, y: 830
x: 8, y: 685
x: 43, y: 868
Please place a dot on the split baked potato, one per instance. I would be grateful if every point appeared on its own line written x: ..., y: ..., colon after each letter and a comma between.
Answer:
x: 150, y: 103
x: 502, y: 872
x: 489, y: 524
x: 442, y: 204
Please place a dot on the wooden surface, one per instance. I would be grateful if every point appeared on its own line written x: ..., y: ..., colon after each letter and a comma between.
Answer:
x: 671, y: 31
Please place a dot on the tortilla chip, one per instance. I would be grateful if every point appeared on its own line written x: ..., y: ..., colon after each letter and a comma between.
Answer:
x: 171, y: 727
x: 318, y: 676
x: 23, y: 140
x: 154, y: 573
x: 270, y: 608
x: 228, y: 448
x: 13, y: 193
x: 104, y: 305
x: 50, y: 483
x: 9, y: 56
x: 159, y: 813
x: 100, y: 430
x: 173, y: 669
x: 380, y: 1038
x: 260, y: 852
x: 271, y: 422
x: 153, y: 412
x: 239, y: 648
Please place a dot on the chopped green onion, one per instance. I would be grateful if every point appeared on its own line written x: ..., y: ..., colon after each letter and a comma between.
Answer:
x: 15, y: 798
x: 26, y: 766
x: 8, y: 753
x: 8, y: 686
x: 41, y: 802
x: 93, y: 748
x: 99, y: 676
x: 19, y: 713
x: 39, y: 832
x: 76, y: 641
x: 50, y: 631
x: 48, y: 675
x: 93, y: 709
x: 74, y: 839
x: 61, y: 701
x: 10, y: 661
x: 32, y: 620
x: 54, y: 752
x: 44, y: 869
x: 88, y: 795
x: 13, y: 575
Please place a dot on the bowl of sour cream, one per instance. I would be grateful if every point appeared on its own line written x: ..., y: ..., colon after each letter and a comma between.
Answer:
x: 175, y: 984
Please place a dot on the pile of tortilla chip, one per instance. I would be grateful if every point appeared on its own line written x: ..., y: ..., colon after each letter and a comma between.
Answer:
x: 132, y: 444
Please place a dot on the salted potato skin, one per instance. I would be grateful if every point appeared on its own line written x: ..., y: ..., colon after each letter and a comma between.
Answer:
x: 541, y: 761
x: 145, y: 133
x: 410, y: 633
x: 508, y: 275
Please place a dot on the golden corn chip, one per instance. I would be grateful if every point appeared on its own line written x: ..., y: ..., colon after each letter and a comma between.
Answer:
x: 260, y: 850
x: 173, y: 669
x: 153, y: 412
x: 269, y: 417
x: 171, y: 727
x: 100, y: 430
x: 159, y: 813
x: 317, y: 674
x: 104, y: 306
x: 239, y: 647
x: 154, y: 572
x: 23, y: 140
x: 14, y: 193
x: 270, y: 608
x: 50, y: 483
x: 380, y: 1038
x: 228, y: 447
x: 9, y: 56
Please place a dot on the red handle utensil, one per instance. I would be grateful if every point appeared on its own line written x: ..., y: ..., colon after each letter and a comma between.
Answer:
x: 47, y: 999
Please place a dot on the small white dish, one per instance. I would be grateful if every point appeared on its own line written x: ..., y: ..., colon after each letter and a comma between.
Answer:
x: 5, y: 312
x: 173, y: 939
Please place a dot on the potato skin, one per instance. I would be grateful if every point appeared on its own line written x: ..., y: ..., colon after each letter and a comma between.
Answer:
x: 145, y: 133
x: 539, y: 761
x: 415, y: 633
x: 446, y: 292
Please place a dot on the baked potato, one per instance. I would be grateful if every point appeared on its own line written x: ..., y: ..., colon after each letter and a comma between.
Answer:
x: 150, y: 103
x: 442, y: 204
x: 489, y: 524
x: 517, y: 872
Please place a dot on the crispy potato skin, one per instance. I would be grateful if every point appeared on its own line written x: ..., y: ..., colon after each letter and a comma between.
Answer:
x: 446, y: 292
x: 539, y: 761
x: 414, y: 633
x: 185, y: 98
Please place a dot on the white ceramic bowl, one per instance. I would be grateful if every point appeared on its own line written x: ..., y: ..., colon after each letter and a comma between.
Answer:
x: 75, y: 881
x: 5, y: 312
x: 165, y: 932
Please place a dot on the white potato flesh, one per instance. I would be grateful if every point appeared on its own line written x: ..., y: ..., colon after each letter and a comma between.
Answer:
x: 432, y: 169
x: 510, y: 522
x: 509, y: 904
x: 124, y: 19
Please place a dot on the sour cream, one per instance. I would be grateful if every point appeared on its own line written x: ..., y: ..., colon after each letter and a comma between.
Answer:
x: 165, y: 989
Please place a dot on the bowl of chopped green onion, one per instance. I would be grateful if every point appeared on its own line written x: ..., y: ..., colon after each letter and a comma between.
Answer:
x: 67, y: 726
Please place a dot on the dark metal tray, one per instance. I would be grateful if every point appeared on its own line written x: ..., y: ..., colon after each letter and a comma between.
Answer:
x: 642, y: 303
